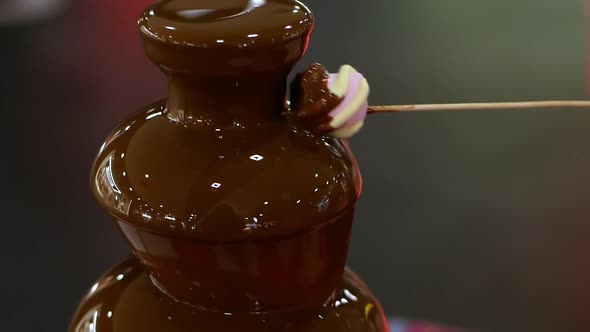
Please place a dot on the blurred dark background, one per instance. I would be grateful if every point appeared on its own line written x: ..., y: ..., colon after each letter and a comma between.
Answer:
x: 476, y: 219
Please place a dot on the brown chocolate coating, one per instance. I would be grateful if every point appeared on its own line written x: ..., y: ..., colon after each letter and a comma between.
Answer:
x: 225, y: 36
x: 312, y: 101
x: 228, y: 207
x: 226, y: 23
x: 223, y: 181
x: 191, y: 198
x: 125, y: 300
x: 194, y: 179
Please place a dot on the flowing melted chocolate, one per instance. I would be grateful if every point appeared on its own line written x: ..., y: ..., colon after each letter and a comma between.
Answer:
x: 216, y: 37
x: 222, y: 178
x: 125, y: 300
x: 312, y: 101
x: 227, y: 207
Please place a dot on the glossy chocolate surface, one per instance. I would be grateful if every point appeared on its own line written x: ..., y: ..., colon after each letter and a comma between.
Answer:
x: 312, y: 100
x: 220, y: 178
x: 239, y: 218
x: 216, y: 37
x: 125, y: 299
x: 227, y: 204
x: 226, y: 23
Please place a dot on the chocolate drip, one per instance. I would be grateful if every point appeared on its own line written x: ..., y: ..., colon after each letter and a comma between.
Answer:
x: 237, y: 219
x: 312, y: 101
x: 225, y: 37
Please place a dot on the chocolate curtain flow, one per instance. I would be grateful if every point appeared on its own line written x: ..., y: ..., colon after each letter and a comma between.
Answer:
x: 237, y: 219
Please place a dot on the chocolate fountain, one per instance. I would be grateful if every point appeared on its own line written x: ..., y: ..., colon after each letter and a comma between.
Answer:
x: 237, y: 204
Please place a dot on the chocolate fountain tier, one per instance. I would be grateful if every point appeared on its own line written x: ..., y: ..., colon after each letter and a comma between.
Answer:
x: 125, y: 299
x: 222, y: 23
x: 231, y: 209
x: 223, y: 180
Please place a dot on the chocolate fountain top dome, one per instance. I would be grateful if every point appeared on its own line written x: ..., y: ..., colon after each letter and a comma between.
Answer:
x: 225, y: 35
x: 215, y: 23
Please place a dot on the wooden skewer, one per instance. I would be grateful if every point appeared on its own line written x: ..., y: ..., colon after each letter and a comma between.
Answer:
x: 481, y: 106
